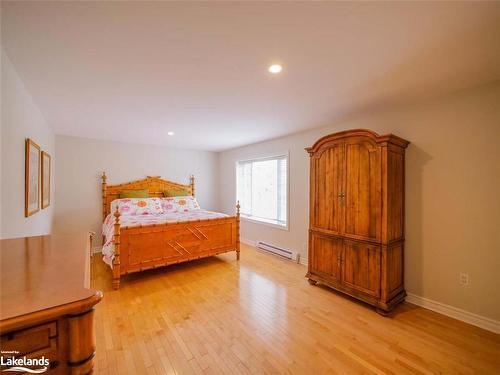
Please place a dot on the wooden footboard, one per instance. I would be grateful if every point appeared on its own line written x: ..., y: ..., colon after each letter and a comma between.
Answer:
x: 144, y: 247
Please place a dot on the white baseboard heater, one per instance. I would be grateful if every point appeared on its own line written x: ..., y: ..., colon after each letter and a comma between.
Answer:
x: 285, y: 253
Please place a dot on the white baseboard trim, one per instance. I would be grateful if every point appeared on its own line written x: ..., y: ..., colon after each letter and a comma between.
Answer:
x: 454, y: 312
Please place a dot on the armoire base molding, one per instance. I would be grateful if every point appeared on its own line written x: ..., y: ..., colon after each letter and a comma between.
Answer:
x: 381, y: 307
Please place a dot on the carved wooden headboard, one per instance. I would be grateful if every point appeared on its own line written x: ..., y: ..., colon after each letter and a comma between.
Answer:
x: 155, y: 184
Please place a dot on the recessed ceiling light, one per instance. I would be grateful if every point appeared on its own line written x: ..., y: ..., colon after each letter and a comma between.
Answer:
x: 275, y: 68
x: 170, y: 133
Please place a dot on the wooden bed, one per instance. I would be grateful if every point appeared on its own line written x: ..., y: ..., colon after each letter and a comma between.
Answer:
x: 150, y: 246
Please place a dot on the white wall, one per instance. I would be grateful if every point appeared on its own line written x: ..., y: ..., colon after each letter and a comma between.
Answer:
x: 81, y: 162
x: 452, y: 193
x: 21, y: 119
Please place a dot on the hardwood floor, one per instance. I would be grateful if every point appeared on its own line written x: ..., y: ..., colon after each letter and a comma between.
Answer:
x: 260, y: 316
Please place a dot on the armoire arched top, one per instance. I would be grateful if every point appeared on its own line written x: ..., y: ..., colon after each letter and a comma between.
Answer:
x: 388, y: 138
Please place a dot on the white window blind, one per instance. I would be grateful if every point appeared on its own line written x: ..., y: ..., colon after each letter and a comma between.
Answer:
x: 262, y: 189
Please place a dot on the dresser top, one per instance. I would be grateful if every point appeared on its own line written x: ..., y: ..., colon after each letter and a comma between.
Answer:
x: 43, y: 272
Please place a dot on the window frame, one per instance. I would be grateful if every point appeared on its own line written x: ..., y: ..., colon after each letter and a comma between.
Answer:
x: 256, y: 220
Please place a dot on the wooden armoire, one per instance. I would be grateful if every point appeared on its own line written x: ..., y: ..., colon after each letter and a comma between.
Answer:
x: 356, y: 221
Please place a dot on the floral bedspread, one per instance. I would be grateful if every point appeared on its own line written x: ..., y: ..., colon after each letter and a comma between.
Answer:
x: 137, y: 220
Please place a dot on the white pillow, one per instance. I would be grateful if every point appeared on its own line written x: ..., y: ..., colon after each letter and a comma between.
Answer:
x: 137, y: 206
x: 179, y: 204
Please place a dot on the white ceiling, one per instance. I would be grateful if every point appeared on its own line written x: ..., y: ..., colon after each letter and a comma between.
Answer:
x: 132, y: 71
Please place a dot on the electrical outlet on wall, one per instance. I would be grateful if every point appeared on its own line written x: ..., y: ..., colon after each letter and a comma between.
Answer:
x: 464, y: 279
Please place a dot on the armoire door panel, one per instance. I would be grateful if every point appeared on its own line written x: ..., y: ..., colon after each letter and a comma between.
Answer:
x: 325, y: 256
x: 327, y: 188
x: 363, y: 196
x: 361, y: 267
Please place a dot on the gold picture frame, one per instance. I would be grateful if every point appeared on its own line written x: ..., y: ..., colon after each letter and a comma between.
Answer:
x: 46, y: 170
x: 32, y: 178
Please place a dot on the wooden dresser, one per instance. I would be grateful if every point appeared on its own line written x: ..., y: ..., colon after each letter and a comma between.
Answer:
x: 47, y: 306
x: 356, y: 222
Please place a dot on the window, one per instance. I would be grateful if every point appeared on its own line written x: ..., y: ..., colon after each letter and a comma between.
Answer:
x: 262, y: 189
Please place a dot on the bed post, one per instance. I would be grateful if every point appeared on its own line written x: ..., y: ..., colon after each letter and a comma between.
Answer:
x: 238, y: 230
x: 191, y: 182
x: 104, y: 185
x: 116, y: 243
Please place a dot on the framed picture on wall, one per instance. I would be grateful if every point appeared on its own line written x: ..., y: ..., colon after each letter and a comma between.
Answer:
x: 32, y: 178
x: 45, y: 180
